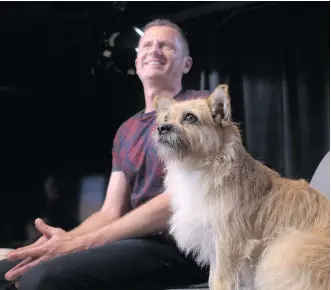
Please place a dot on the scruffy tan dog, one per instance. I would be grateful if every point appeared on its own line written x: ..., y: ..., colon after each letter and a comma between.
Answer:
x: 256, y: 229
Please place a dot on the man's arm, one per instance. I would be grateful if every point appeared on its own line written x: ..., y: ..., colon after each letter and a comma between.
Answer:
x: 150, y: 218
x: 116, y: 204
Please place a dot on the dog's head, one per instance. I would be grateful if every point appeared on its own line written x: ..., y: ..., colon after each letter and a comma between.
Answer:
x: 195, y: 128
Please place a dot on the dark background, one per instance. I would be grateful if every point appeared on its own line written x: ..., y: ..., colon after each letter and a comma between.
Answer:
x: 62, y: 100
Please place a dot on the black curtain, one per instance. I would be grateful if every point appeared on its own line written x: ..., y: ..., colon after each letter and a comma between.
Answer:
x: 276, y: 59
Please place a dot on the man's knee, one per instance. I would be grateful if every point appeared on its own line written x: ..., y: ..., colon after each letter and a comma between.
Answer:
x: 5, y: 266
x: 42, y: 276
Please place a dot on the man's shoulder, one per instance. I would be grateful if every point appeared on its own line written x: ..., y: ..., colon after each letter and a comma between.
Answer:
x: 129, y: 124
x: 193, y: 94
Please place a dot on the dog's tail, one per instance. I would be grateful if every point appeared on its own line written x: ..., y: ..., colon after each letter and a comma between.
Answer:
x: 296, y: 261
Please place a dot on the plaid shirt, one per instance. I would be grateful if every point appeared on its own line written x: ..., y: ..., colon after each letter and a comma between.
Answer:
x: 135, y: 155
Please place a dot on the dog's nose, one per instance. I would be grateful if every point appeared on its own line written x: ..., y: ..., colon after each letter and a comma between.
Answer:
x: 164, y: 128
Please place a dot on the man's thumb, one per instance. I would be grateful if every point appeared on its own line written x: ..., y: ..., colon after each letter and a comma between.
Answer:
x: 44, y: 228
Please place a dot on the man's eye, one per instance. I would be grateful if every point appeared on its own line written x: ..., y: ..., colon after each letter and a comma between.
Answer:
x: 145, y: 45
x: 190, y: 118
x: 166, y: 46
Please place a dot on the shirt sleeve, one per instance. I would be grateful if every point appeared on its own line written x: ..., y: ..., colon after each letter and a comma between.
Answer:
x: 116, y: 151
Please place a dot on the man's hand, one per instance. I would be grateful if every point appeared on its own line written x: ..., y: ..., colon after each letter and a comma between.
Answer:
x: 55, y: 242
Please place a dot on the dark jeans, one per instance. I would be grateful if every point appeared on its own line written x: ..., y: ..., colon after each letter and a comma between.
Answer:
x: 144, y: 264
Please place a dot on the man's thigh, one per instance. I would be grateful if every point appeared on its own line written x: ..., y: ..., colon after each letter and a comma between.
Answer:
x: 129, y: 264
x: 5, y: 266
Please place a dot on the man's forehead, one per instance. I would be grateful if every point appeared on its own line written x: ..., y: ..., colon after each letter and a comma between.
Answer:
x: 159, y: 33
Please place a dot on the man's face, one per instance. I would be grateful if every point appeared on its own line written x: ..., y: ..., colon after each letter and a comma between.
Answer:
x: 161, y: 55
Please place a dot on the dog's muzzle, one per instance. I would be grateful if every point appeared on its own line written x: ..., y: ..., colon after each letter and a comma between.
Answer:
x: 167, y: 134
x: 168, y: 139
x: 164, y: 129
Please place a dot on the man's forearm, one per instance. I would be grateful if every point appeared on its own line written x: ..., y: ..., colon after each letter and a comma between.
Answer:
x: 150, y: 218
x: 93, y: 223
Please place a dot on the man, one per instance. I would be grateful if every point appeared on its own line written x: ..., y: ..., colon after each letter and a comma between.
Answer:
x: 124, y: 245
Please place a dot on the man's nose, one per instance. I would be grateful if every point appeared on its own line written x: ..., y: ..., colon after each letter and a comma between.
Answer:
x: 164, y: 128
x: 155, y: 48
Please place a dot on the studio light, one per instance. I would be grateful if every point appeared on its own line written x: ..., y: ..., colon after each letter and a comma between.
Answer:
x: 138, y: 30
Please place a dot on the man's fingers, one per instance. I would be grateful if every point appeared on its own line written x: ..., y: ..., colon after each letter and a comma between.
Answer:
x: 26, y: 253
x: 40, y: 241
x: 20, y: 264
x: 13, y: 254
x: 13, y: 275
x: 45, y: 229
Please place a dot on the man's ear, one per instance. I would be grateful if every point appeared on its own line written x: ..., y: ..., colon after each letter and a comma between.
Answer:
x: 187, y: 64
x: 219, y: 103
x: 161, y: 103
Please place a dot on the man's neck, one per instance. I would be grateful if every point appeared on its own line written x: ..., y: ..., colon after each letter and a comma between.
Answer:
x: 152, y: 92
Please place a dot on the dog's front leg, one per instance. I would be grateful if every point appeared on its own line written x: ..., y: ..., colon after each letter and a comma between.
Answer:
x: 212, y: 270
x: 222, y: 271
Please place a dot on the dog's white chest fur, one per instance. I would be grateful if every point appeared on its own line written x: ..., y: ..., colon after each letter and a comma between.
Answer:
x: 189, y: 223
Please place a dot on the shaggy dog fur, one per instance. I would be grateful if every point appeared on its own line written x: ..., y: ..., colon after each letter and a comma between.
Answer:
x: 256, y: 229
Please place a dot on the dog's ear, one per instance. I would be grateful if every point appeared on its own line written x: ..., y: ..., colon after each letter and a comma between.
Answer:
x: 219, y: 103
x: 162, y: 103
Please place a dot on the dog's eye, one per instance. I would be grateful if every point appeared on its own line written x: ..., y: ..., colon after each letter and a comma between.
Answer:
x: 166, y: 117
x: 190, y: 118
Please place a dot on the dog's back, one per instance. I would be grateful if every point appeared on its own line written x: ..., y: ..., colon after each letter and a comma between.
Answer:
x: 296, y: 260
x: 292, y: 203
x: 296, y: 219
